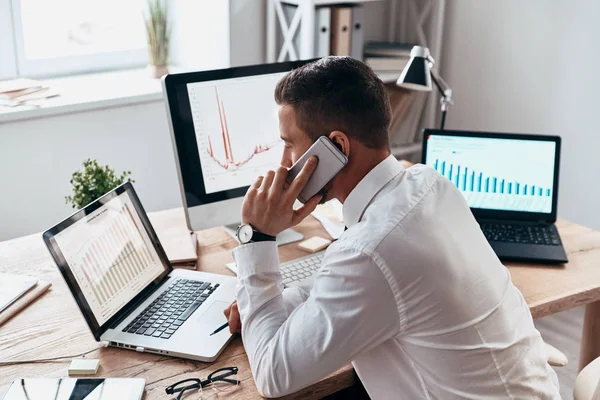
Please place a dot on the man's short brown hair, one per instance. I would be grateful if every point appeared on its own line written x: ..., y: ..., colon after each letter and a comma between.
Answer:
x: 338, y: 94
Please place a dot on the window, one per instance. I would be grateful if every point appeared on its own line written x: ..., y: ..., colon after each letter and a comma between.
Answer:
x: 58, y: 37
x: 8, y: 64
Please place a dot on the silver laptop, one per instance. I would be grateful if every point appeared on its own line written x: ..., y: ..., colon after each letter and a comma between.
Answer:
x: 128, y: 292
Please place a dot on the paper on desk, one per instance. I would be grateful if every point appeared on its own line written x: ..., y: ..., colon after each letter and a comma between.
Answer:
x: 16, y: 85
x: 330, y: 216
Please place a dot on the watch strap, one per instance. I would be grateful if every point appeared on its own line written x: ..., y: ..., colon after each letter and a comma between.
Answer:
x: 258, y: 236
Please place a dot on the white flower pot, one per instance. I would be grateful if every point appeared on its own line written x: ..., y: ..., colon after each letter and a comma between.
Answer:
x: 157, y: 71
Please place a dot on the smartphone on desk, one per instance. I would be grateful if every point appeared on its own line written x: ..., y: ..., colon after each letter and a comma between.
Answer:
x: 331, y: 161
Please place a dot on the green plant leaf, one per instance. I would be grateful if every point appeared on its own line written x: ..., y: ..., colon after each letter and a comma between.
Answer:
x: 93, y: 182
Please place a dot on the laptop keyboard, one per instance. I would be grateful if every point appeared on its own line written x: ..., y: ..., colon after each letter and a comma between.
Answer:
x: 171, y: 309
x: 516, y: 233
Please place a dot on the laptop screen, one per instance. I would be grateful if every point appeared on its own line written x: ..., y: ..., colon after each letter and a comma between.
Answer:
x: 110, y: 255
x: 496, y: 173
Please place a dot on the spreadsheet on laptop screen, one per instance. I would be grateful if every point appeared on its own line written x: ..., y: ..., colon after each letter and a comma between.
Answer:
x: 110, y: 255
x: 497, y: 174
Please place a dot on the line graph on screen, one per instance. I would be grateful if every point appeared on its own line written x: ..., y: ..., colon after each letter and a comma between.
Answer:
x: 237, y: 130
x: 230, y: 161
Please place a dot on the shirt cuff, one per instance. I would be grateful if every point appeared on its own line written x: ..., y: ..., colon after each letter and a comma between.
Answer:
x: 256, y: 258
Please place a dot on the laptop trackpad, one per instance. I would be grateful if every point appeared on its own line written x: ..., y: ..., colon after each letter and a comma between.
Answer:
x: 214, y: 316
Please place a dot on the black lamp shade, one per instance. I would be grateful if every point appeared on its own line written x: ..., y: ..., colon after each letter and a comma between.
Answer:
x: 416, y: 74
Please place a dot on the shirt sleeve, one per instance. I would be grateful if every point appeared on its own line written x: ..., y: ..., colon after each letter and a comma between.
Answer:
x: 349, y: 310
x: 294, y: 296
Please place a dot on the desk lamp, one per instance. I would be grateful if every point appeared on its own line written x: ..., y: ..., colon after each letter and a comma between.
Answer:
x: 418, y: 74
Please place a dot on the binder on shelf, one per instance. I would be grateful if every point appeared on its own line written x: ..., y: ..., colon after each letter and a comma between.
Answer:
x: 323, y: 31
x: 357, y: 39
x: 341, y: 22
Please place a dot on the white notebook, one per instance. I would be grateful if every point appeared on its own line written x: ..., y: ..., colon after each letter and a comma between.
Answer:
x: 12, y: 287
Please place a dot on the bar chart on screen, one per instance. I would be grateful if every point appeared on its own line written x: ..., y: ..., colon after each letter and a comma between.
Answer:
x: 479, y: 188
x: 112, y: 261
x: 501, y: 174
x: 236, y: 130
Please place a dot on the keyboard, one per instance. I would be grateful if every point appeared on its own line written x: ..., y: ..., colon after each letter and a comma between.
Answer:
x: 517, y: 233
x: 295, y: 270
x: 300, y: 268
x: 171, y: 309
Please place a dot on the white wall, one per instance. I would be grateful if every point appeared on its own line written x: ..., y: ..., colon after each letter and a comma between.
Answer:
x: 532, y: 67
x: 200, y: 34
x: 210, y: 34
x: 247, y: 30
x: 37, y: 158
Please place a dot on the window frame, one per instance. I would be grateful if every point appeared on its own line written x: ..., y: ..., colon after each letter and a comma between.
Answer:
x: 8, y: 62
x: 69, y: 65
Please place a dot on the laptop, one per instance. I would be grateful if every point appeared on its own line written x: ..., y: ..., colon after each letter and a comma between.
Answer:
x: 510, y: 182
x: 126, y: 289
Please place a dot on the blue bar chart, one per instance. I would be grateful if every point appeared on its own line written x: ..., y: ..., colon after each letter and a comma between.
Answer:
x: 497, y: 173
x: 468, y: 180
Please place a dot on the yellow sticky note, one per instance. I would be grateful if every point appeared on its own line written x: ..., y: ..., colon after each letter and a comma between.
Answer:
x: 314, y: 244
x: 83, y: 366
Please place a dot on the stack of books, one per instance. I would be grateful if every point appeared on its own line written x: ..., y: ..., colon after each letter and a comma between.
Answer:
x: 17, y: 92
x: 386, y: 57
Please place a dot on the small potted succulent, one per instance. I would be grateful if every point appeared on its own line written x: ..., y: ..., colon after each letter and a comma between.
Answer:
x: 93, y: 182
x: 158, y: 31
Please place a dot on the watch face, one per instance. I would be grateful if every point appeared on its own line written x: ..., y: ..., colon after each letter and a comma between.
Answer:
x: 245, y: 233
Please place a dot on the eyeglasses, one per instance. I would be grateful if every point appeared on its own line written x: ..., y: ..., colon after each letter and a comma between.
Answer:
x: 218, y: 380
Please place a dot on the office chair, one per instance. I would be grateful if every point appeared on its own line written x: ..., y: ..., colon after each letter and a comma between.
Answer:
x: 586, y: 384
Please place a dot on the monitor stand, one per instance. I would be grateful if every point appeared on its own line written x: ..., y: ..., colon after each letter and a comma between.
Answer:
x: 285, y: 237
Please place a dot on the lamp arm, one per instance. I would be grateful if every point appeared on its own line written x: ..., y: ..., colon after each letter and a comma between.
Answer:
x: 446, y: 93
x: 442, y: 86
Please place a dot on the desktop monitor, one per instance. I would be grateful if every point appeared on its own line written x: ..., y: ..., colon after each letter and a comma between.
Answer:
x: 225, y: 134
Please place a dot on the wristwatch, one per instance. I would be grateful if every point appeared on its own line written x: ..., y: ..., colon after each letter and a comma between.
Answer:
x: 247, y: 234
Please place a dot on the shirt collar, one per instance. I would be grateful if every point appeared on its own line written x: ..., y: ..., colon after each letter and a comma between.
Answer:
x: 361, y: 196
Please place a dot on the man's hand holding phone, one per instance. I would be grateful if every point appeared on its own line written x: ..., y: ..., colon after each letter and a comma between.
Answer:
x: 269, y: 202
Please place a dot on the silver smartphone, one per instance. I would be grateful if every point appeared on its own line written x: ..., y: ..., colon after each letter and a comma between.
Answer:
x: 331, y: 161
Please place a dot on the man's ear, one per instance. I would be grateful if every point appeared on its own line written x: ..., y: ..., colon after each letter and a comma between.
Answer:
x: 340, y: 140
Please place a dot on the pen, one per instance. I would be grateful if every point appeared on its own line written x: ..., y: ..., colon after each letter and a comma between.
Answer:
x: 219, y: 329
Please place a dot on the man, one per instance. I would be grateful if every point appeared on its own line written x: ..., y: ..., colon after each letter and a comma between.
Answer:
x: 411, y: 293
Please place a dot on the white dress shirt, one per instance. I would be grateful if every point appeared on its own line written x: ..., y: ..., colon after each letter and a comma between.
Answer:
x: 412, y: 294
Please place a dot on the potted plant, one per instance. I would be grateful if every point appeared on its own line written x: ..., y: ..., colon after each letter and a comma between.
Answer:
x: 94, y: 181
x: 158, y: 31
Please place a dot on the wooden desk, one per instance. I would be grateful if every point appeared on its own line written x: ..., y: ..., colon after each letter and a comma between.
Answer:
x: 53, y: 326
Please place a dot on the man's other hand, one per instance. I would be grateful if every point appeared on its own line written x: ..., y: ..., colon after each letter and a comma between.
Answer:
x: 233, y: 316
x: 269, y: 203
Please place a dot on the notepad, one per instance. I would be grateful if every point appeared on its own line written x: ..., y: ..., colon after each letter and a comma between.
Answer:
x: 314, y: 244
x: 12, y: 287
x: 23, y: 301
x: 83, y: 366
